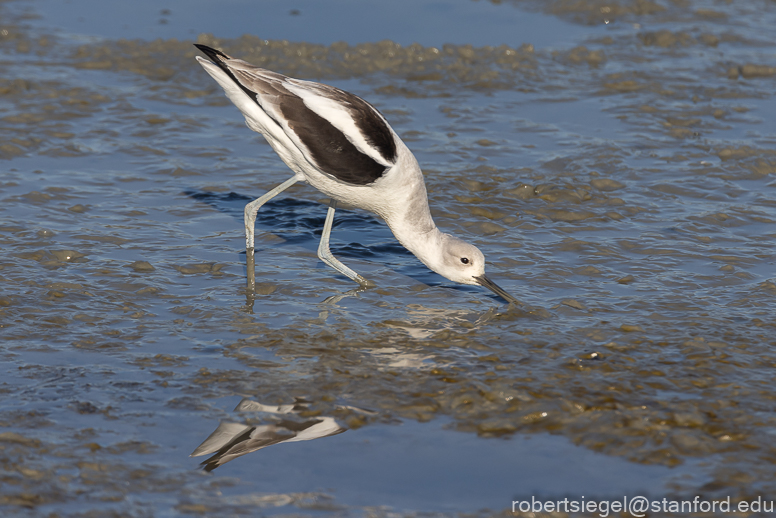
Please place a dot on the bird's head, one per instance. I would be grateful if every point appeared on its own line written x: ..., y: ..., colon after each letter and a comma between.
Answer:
x: 464, y: 263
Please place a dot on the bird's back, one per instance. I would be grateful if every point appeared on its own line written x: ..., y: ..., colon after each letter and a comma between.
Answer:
x: 337, y: 133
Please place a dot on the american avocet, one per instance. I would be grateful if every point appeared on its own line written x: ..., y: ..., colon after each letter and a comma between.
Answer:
x: 342, y: 146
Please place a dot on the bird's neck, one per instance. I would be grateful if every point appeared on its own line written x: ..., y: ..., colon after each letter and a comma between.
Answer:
x: 415, y: 229
x: 407, y: 214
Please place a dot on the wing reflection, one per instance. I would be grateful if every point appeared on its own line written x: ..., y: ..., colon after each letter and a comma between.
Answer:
x: 231, y: 440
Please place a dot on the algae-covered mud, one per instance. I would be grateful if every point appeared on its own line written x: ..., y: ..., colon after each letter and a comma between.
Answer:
x: 620, y: 178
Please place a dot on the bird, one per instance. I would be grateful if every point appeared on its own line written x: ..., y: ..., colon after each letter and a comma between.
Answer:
x: 344, y: 147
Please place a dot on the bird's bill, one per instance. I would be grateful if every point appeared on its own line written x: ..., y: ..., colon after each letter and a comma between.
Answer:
x: 482, y: 280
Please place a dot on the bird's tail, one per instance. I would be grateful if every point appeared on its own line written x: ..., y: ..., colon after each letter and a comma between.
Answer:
x: 216, y: 55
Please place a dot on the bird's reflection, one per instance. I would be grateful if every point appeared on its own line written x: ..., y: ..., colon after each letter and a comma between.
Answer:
x: 231, y: 440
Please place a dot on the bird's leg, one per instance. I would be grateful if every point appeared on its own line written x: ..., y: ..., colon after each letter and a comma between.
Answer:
x: 325, y: 254
x: 250, y: 223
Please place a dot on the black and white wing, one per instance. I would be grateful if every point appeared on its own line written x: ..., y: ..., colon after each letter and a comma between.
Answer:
x: 232, y: 440
x: 339, y: 133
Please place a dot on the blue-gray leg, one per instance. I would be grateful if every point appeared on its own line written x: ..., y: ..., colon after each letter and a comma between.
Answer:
x: 325, y: 254
x: 250, y: 223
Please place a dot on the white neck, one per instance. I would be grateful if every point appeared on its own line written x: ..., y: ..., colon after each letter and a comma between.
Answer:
x: 407, y: 213
x: 416, y: 231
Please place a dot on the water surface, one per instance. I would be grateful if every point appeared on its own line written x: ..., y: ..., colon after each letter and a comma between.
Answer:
x: 615, y: 166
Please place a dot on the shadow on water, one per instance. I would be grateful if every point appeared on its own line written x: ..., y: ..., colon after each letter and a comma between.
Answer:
x: 300, y: 223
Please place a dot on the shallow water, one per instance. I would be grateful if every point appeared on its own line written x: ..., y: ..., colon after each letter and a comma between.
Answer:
x: 619, y: 178
x: 427, y: 22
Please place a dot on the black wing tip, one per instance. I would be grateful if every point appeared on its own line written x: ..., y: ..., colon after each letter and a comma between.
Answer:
x: 210, y: 464
x: 214, y: 54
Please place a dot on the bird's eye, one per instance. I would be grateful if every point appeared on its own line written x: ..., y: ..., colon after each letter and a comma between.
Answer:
x: 464, y: 260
